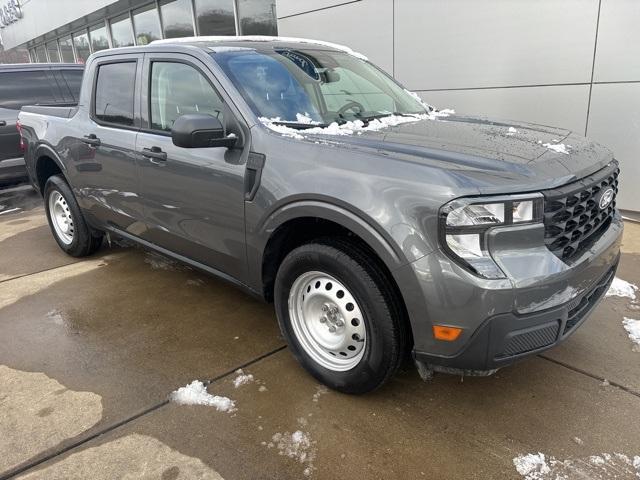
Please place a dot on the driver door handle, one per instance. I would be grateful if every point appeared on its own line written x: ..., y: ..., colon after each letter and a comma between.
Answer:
x: 154, y: 153
x: 3, y: 123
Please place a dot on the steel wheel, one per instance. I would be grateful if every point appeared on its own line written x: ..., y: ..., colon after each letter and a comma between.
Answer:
x: 327, y: 321
x: 61, y: 218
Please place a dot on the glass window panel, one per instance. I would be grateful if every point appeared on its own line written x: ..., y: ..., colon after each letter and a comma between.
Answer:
x: 81, y: 44
x: 74, y: 81
x: 215, y: 17
x: 146, y: 24
x: 52, y: 48
x: 25, y: 88
x: 176, y: 18
x: 114, y: 93
x: 257, y: 17
x: 98, y: 36
x: 66, y: 49
x: 178, y: 89
x: 41, y: 54
x: 121, y: 31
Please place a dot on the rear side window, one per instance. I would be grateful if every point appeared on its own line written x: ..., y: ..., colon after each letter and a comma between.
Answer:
x: 18, y: 89
x: 74, y: 81
x: 114, y: 92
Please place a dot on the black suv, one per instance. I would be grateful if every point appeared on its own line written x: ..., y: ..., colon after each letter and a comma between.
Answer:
x: 26, y: 84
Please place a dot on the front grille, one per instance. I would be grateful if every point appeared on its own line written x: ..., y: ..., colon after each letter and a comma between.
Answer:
x: 573, y: 219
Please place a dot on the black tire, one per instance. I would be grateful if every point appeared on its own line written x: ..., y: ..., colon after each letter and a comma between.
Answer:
x: 386, y: 329
x: 85, y: 241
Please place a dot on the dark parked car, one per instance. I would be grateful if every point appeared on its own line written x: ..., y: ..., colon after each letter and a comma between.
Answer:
x: 307, y: 176
x: 30, y: 84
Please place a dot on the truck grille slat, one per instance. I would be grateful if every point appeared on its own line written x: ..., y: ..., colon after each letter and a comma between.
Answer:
x: 573, y: 219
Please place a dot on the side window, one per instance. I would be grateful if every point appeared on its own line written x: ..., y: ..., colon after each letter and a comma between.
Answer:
x: 177, y: 89
x: 74, y: 81
x: 18, y: 89
x: 114, y: 92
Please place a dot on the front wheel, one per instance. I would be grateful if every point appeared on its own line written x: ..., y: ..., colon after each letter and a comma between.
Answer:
x: 340, y: 316
x: 67, y: 224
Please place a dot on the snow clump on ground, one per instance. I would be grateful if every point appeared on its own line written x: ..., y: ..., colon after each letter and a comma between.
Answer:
x: 196, y: 394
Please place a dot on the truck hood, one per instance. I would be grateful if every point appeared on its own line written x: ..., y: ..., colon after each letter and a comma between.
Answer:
x: 488, y: 155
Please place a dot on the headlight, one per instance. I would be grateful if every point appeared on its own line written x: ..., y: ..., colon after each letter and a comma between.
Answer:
x: 465, y: 222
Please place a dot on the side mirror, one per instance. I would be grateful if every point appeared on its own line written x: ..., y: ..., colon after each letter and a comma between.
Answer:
x: 200, y: 130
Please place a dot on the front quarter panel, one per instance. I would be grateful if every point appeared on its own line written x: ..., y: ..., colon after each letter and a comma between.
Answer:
x: 391, y: 204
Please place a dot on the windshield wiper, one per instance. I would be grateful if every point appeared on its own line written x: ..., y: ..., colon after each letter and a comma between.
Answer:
x: 299, y: 125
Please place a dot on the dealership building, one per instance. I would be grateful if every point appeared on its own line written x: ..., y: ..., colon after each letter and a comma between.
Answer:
x: 569, y: 63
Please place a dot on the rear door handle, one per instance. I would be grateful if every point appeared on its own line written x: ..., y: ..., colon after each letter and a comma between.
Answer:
x: 155, y: 153
x: 91, y: 139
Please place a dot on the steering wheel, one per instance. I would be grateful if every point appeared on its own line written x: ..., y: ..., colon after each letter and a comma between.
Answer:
x: 349, y: 105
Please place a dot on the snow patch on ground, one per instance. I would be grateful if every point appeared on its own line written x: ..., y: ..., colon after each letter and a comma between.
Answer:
x: 56, y: 317
x: 538, y: 466
x: 633, y: 329
x: 262, y: 388
x: 242, y: 378
x: 320, y: 390
x: 622, y: 288
x: 557, y: 147
x: 532, y: 465
x: 297, y: 445
x: 196, y: 394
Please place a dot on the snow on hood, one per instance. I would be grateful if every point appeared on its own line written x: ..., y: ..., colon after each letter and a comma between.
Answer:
x: 259, y: 38
x: 350, y: 127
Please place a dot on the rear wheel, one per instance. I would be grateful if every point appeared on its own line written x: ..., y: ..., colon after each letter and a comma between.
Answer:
x: 67, y: 224
x: 340, y: 316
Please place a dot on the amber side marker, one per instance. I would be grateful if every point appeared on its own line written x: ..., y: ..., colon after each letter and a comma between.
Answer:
x: 448, y: 334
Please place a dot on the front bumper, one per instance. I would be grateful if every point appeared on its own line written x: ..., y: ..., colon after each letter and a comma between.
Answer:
x: 539, y: 305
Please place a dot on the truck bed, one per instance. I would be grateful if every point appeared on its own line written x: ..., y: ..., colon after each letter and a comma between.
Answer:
x: 62, y: 111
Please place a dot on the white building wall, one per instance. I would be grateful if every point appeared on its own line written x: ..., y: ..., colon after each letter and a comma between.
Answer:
x: 41, y: 16
x: 570, y: 63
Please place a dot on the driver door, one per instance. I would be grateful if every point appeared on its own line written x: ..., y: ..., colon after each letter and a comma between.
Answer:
x: 193, y: 197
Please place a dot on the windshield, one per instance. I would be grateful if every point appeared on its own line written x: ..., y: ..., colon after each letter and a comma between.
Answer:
x: 306, y: 88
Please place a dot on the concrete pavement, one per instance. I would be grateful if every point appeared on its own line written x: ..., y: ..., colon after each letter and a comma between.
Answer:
x: 91, y: 349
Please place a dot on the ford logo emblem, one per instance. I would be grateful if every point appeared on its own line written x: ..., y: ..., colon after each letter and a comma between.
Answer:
x: 606, y: 198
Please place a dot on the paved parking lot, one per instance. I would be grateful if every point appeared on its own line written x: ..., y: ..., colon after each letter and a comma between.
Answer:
x: 90, y: 351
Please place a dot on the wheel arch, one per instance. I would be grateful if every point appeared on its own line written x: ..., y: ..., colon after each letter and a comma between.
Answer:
x: 46, y: 164
x: 298, y: 222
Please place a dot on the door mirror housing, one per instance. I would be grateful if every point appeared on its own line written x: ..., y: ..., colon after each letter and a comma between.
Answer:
x: 200, y: 130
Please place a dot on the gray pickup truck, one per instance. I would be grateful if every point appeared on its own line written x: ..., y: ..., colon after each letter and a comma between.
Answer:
x: 307, y: 176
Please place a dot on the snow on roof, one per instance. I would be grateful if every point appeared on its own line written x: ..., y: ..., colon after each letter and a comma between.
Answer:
x: 258, y: 38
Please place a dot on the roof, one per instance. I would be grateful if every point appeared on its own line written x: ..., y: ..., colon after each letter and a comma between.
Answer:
x: 255, y: 41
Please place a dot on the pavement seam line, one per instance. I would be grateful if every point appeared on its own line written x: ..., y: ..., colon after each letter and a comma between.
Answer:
x: 35, y: 463
x: 38, y: 272
x: 591, y: 375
